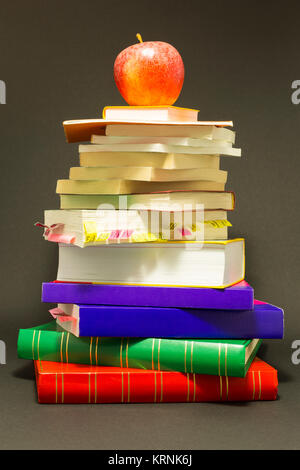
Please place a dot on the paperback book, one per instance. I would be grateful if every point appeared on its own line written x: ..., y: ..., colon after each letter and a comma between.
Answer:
x: 172, y: 201
x: 151, y: 113
x: 81, y: 130
x: 96, y: 227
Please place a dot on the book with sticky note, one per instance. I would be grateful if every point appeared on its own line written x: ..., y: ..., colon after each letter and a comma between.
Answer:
x: 264, y: 321
x: 96, y: 227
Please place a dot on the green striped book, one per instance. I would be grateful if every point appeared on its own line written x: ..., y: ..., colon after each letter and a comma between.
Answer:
x: 230, y: 358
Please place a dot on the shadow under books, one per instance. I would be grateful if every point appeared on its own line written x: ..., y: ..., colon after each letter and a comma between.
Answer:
x: 25, y: 372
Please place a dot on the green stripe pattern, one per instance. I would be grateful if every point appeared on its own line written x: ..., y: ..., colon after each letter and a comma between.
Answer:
x: 214, y: 357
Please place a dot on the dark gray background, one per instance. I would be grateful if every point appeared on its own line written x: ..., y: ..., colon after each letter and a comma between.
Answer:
x: 57, y: 61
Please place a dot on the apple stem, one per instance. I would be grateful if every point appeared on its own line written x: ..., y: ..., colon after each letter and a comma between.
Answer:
x: 139, y: 37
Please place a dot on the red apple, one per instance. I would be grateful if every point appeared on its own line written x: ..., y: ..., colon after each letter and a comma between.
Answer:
x: 149, y: 73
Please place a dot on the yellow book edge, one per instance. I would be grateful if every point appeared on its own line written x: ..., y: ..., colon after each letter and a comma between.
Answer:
x: 205, y: 242
x: 224, y: 286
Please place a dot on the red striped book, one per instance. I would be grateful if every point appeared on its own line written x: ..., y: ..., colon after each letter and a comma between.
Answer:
x: 78, y: 383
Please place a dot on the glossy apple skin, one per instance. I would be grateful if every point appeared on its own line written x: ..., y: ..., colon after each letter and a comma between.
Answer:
x: 149, y: 74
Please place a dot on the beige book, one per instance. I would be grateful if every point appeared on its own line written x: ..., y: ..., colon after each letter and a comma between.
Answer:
x: 162, y: 130
x: 98, y: 227
x: 168, y: 161
x: 81, y: 130
x: 210, y: 149
x: 181, y: 141
x: 117, y: 186
x: 160, y: 201
x: 147, y: 174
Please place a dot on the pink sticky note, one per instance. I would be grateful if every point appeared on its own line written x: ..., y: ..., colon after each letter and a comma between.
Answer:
x: 61, y: 238
x: 56, y: 312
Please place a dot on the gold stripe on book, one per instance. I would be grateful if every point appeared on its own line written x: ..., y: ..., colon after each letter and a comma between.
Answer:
x: 158, y: 351
x: 62, y: 388
x: 96, y: 351
x: 127, y: 352
x: 221, y: 388
x: 154, y: 387
x: 89, y: 387
x: 259, y: 381
x: 153, y: 345
x: 67, y: 348
x: 128, y: 394
x: 185, y: 349
x: 227, y: 387
x: 55, y: 388
x: 161, y: 387
x: 194, y: 381
x: 38, y: 345
x: 253, y: 378
x: 91, y: 347
x: 192, y: 347
x: 95, y: 388
x: 188, y: 387
x: 61, y: 347
x: 32, y: 346
x: 121, y: 362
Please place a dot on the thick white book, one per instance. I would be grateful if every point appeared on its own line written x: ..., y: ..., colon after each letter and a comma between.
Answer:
x: 150, y: 113
x: 215, y: 264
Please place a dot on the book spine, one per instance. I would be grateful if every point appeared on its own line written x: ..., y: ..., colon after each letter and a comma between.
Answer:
x: 53, y: 346
x: 153, y: 387
x: 232, y: 298
x: 179, y: 323
x: 150, y: 353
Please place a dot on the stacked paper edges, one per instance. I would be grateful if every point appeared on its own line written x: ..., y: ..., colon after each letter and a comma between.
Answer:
x: 152, y: 305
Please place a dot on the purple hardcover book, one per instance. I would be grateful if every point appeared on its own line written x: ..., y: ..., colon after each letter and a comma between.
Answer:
x: 265, y: 321
x: 237, y: 297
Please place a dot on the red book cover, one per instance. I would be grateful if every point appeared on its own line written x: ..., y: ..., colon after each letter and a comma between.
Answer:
x: 77, y: 383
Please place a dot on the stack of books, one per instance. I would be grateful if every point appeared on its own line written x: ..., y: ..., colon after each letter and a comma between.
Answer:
x: 152, y: 305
